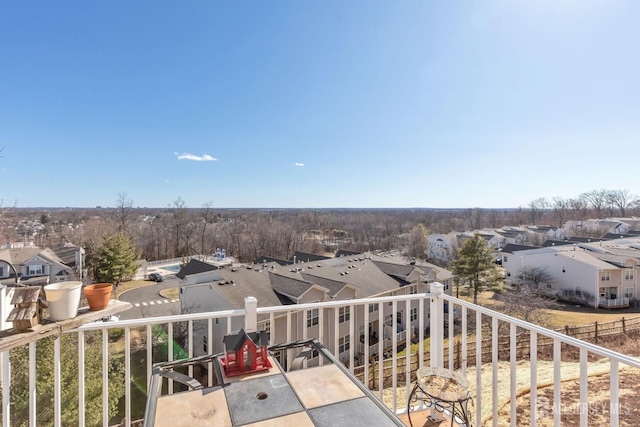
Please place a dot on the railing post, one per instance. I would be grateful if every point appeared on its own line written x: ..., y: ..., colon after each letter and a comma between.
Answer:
x: 251, y: 315
x: 436, y: 325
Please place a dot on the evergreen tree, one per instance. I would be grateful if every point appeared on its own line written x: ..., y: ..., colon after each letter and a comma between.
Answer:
x: 69, y: 381
x: 117, y: 259
x: 474, y: 266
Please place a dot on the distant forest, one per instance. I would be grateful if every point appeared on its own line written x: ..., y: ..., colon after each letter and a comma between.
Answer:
x: 247, y: 234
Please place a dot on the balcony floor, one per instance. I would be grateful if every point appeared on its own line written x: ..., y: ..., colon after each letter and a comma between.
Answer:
x: 420, y: 419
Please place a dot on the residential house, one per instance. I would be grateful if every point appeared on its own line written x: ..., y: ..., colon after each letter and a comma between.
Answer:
x: 442, y: 247
x: 345, y: 278
x: 604, y: 273
x: 32, y: 265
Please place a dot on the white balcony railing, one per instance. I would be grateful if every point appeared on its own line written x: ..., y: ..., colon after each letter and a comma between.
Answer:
x: 119, y: 356
x: 615, y: 302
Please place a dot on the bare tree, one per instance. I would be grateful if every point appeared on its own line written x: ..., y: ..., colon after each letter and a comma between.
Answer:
x: 560, y: 208
x: 124, y: 206
x: 596, y: 200
x: 417, y: 242
x: 529, y: 299
x: 621, y: 199
x: 537, y: 208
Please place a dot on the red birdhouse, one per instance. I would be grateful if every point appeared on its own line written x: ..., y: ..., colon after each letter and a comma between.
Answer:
x: 245, y: 353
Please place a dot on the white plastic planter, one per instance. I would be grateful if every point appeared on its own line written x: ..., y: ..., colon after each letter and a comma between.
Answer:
x: 63, y: 299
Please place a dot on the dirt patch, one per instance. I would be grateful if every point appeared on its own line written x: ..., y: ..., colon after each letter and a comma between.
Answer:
x: 598, y: 409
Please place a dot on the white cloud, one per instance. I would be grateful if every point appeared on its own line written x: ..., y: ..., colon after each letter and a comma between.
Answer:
x: 203, y: 158
x: 299, y: 164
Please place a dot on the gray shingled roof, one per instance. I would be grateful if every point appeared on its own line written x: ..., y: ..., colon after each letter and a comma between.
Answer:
x: 246, y: 283
x: 511, y: 247
x: 195, y: 267
x: 288, y: 285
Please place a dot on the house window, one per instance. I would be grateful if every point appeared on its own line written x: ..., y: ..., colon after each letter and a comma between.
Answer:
x: 578, y: 290
x: 628, y: 274
x: 413, y: 289
x: 205, y: 344
x: 267, y: 328
x: 605, y: 276
x: 628, y: 293
x: 344, y: 314
x: 446, y: 285
x: 314, y: 354
x: 1, y: 271
x: 414, y: 314
x: 504, y: 258
x: 399, y: 317
x: 392, y: 294
x: 312, y: 317
x: 344, y: 344
x: 33, y: 270
x: 388, y: 320
x: 373, y: 307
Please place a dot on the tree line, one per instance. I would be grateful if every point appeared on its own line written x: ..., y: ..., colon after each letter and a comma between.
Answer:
x: 178, y: 231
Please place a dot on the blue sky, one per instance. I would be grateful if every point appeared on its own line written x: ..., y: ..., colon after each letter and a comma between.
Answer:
x: 317, y: 104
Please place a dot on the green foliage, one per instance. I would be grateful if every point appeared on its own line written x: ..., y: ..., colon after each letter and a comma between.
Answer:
x: 68, y: 380
x: 117, y: 259
x: 475, y: 268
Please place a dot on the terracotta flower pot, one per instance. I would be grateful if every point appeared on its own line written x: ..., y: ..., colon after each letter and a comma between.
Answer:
x: 98, y: 295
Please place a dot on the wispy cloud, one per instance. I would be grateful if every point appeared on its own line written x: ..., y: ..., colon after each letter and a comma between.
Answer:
x: 203, y: 158
x: 299, y: 164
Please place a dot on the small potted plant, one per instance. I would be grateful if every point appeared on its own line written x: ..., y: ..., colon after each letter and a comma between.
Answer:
x: 98, y: 295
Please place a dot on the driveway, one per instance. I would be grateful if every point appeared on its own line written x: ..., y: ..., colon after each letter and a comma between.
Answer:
x: 146, y: 301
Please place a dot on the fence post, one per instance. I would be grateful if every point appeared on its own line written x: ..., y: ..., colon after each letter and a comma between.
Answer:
x: 251, y: 315
x: 596, y: 332
x: 624, y: 328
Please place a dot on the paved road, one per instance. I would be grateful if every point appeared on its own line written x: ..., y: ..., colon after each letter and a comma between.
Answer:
x: 147, y: 301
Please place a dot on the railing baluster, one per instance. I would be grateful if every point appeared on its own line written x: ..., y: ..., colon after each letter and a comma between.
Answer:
x: 105, y: 377
x: 33, y: 407
x: 451, y: 335
x: 366, y: 344
x: 321, y: 331
x: 81, y: 418
x: 127, y: 376
x: 190, y: 346
x: 464, y: 333
x: 513, y: 357
x: 352, y: 334
x: 380, y: 350
x: 149, y: 354
x: 533, y: 357
x: 614, y: 397
x: 421, y: 303
x: 210, y: 351
x: 394, y: 361
x: 557, y: 378
x: 57, y: 401
x: 6, y: 388
x: 407, y: 347
x: 478, y: 366
x: 494, y: 369
x: 170, y: 350
x: 584, y: 378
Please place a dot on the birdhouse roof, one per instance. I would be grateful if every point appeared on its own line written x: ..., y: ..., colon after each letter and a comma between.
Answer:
x: 235, y: 340
x: 26, y: 295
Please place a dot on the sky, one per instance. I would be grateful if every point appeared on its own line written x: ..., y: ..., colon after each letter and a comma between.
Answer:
x: 308, y: 104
